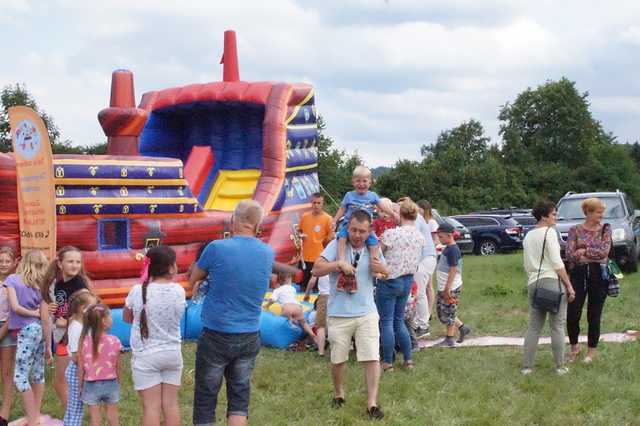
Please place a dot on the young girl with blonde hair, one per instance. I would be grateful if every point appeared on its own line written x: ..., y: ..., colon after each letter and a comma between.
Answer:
x: 25, y: 322
x: 7, y: 341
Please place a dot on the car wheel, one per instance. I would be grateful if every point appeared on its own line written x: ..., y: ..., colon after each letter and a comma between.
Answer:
x: 488, y: 247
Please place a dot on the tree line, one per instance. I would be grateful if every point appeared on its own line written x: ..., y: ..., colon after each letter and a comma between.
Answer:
x: 550, y: 144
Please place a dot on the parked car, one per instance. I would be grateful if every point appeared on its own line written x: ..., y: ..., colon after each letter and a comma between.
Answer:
x: 492, y: 233
x: 461, y: 233
x: 527, y: 222
x: 619, y: 212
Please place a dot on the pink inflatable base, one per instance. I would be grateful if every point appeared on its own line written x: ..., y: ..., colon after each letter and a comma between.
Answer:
x: 45, y: 420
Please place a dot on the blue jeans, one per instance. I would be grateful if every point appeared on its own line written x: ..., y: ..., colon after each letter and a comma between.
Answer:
x: 391, y: 299
x: 228, y: 355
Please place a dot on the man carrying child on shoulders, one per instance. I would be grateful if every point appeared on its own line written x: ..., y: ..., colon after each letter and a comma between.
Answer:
x: 354, y: 314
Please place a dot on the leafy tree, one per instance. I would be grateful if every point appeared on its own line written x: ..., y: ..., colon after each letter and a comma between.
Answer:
x: 19, y: 95
x: 550, y: 123
x: 463, y: 144
x: 14, y: 96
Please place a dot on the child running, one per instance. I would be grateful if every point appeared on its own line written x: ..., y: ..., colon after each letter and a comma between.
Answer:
x: 155, y: 308
x: 79, y: 302
x: 25, y: 321
x: 358, y: 199
x: 99, y: 364
x: 285, y: 295
x: 65, y: 277
x: 449, y: 276
x: 7, y: 341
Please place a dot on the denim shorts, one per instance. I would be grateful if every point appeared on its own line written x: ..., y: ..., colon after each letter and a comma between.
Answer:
x: 101, y: 392
x: 228, y: 355
x: 7, y: 340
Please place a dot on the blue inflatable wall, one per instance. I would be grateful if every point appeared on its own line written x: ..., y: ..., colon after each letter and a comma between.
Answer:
x: 275, y: 330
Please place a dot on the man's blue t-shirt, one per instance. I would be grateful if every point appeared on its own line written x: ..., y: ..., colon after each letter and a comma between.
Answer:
x: 354, y: 201
x: 239, y: 271
x: 343, y: 304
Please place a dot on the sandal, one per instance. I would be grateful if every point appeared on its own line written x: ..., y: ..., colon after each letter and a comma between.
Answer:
x: 409, y: 365
x: 573, y: 356
x: 387, y: 367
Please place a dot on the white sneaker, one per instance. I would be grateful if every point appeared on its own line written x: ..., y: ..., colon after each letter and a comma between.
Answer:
x: 561, y: 371
x: 526, y: 371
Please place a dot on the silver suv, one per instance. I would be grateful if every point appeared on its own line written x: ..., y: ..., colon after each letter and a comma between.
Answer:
x: 619, y: 212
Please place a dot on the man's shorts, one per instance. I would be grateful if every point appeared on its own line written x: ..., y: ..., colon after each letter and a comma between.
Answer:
x: 366, y: 331
x: 321, y: 311
x: 447, y: 312
x: 156, y: 368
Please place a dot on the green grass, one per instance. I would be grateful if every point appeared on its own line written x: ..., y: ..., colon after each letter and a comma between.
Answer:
x: 465, y: 386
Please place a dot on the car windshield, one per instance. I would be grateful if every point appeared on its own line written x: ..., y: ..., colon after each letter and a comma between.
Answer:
x: 571, y: 209
x: 525, y: 220
x: 510, y: 222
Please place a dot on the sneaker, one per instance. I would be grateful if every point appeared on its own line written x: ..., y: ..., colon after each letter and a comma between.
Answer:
x: 337, y: 403
x: 561, y: 371
x: 448, y: 342
x: 526, y: 371
x: 464, y: 331
x: 375, y: 413
x: 422, y: 332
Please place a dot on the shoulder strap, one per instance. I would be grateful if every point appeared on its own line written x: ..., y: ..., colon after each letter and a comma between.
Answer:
x: 544, y: 244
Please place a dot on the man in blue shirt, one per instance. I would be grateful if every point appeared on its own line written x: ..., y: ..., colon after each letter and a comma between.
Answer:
x: 239, y: 272
x: 353, y: 315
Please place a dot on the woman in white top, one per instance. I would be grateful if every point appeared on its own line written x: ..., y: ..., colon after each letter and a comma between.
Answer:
x: 546, y: 269
x: 155, y: 309
x: 402, y: 247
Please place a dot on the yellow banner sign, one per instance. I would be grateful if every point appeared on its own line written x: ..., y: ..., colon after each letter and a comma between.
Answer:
x: 34, y: 174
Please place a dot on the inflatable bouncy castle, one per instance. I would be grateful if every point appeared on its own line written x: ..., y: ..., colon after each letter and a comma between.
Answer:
x: 177, y: 165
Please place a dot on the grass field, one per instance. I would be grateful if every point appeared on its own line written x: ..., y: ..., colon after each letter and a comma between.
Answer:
x: 464, y: 386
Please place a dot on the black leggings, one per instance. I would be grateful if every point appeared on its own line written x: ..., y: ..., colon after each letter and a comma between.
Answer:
x: 587, y: 283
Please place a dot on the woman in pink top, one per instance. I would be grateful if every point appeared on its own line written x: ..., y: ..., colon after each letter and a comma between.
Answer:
x: 98, y: 365
x: 588, y: 246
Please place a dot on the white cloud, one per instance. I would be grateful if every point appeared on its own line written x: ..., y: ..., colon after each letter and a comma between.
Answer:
x: 388, y: 73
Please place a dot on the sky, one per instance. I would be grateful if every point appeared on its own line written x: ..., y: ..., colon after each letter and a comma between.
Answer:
x: 390, y: 75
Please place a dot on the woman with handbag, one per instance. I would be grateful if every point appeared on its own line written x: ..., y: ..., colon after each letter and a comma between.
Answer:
x: 588, y: 246
x: 545, y: 271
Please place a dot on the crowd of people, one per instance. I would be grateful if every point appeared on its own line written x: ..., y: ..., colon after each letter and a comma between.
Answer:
x: 375, y: 296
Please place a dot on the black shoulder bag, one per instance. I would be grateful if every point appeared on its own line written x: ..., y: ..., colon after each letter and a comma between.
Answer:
x: 546, y: 300
x: 607, y: 274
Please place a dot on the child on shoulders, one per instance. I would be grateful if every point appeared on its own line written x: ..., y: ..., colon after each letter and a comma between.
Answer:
x: 358, y: 199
